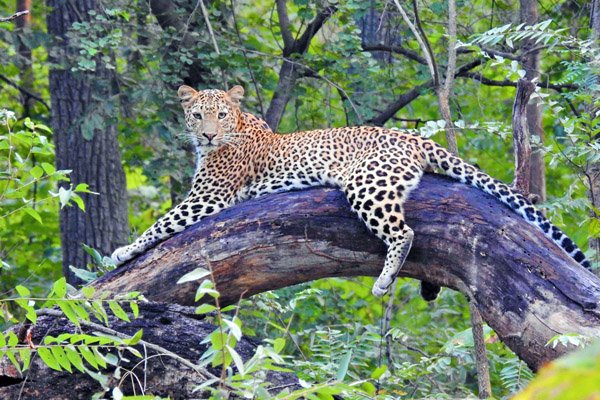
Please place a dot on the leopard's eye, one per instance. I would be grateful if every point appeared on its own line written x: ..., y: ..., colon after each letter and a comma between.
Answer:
x: 197, y: 115
x: 222, y: 115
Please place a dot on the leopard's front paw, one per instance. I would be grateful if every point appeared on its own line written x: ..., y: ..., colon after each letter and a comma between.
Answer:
x: 122, y: 255
x: 379, y: 291
x: 382, y: 286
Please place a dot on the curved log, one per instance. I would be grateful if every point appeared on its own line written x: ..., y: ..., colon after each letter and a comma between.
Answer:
x: 526, y: 288
x: 174, y: 328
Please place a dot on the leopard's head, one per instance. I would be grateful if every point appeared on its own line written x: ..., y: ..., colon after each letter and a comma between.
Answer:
x: 211, y: 116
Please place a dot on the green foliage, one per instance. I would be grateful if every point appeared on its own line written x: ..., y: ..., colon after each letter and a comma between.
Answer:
x: 29, y: 200
x: 572, y: 377
x: 327, y: 332
x: 89, y: 353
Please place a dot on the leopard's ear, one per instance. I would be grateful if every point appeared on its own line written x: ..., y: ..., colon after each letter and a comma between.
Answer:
x: 236, y: 93
x: 186, y: 93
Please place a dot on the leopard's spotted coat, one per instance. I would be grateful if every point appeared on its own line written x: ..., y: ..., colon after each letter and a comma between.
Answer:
x: 241, y: 158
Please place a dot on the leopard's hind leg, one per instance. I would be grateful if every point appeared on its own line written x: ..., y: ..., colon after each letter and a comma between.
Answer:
x: 376, y: 191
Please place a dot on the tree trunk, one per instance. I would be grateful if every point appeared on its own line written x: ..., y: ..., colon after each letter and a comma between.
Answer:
x: 288, y: 74
x: 531, y: 63
x: 593, y: 169
x: 26, y: 72
x: 527, y: 289
x: 521, y: 136
x: 95, y: 161
x: 174, y: 328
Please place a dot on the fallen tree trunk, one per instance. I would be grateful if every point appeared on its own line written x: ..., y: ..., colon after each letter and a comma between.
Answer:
x: 526, y: 288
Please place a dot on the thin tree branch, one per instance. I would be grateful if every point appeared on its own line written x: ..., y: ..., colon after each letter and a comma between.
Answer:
x: 25, y: 91
x: 506, y: 82
x: 491, y: 52
x: 301, y: 45
x: 284, y: 26
x: 424, y: 48
x: 14, y: 16
x: 407, y: 97
x: 254, y: 82
x: 402, y: 101
x: 483, y: 365
x: 209, y: 26
x: 445, y: 91
x: 428, y: 49
x: 410, y: 54
x: 310, y: 73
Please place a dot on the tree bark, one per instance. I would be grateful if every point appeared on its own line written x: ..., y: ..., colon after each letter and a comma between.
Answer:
x: 527, y: 289
x: 174, y: 328
x: 96, y: 161
x: 23, y: 24
x: 531, y: 64
x: 521, y: 136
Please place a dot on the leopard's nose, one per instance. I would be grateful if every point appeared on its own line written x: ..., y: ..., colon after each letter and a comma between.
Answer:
x: 209, y: 136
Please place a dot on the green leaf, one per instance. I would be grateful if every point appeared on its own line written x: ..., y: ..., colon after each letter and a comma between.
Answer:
x: 78, y: 200
x: 23, y: 291
x: 135, y: 339
x: 194, y: 275
x: 36, y: 172
x: 88, y: 356
x: 60, y: 356
x: 33, y: 214
x: 99, y: 311
x: 343, y: 367
x: 48, y: 168
x: 25, y: 356
x: 81, y: 312
x: 96, y: 256
x: 135, y: 310
x: 234, y: 329
x: 118, y: 310
x: 99, y: 357
x: 67, y: 309
x: 84, y: 188
x: 48, y: 359
x: 88, y: 291
x: 205, y: 308
x: 60, y: 287
x: 378, y: 372
x: 74, y: 357
x: 10, y: 353
x: 13, y: 340
x: 278, y: 345
x: 237, y: 360
x: 84, y: 274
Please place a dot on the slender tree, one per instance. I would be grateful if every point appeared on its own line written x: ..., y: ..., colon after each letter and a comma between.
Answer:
x: 530, y: 62
x: 94, y: 160
x: 23, y: 24
x: 593, y: 169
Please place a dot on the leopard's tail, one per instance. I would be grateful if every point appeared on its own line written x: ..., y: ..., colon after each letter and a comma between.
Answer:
x: 438, y: 157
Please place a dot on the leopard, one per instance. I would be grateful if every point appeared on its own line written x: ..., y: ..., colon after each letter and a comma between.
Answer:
x: 239, y: 157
